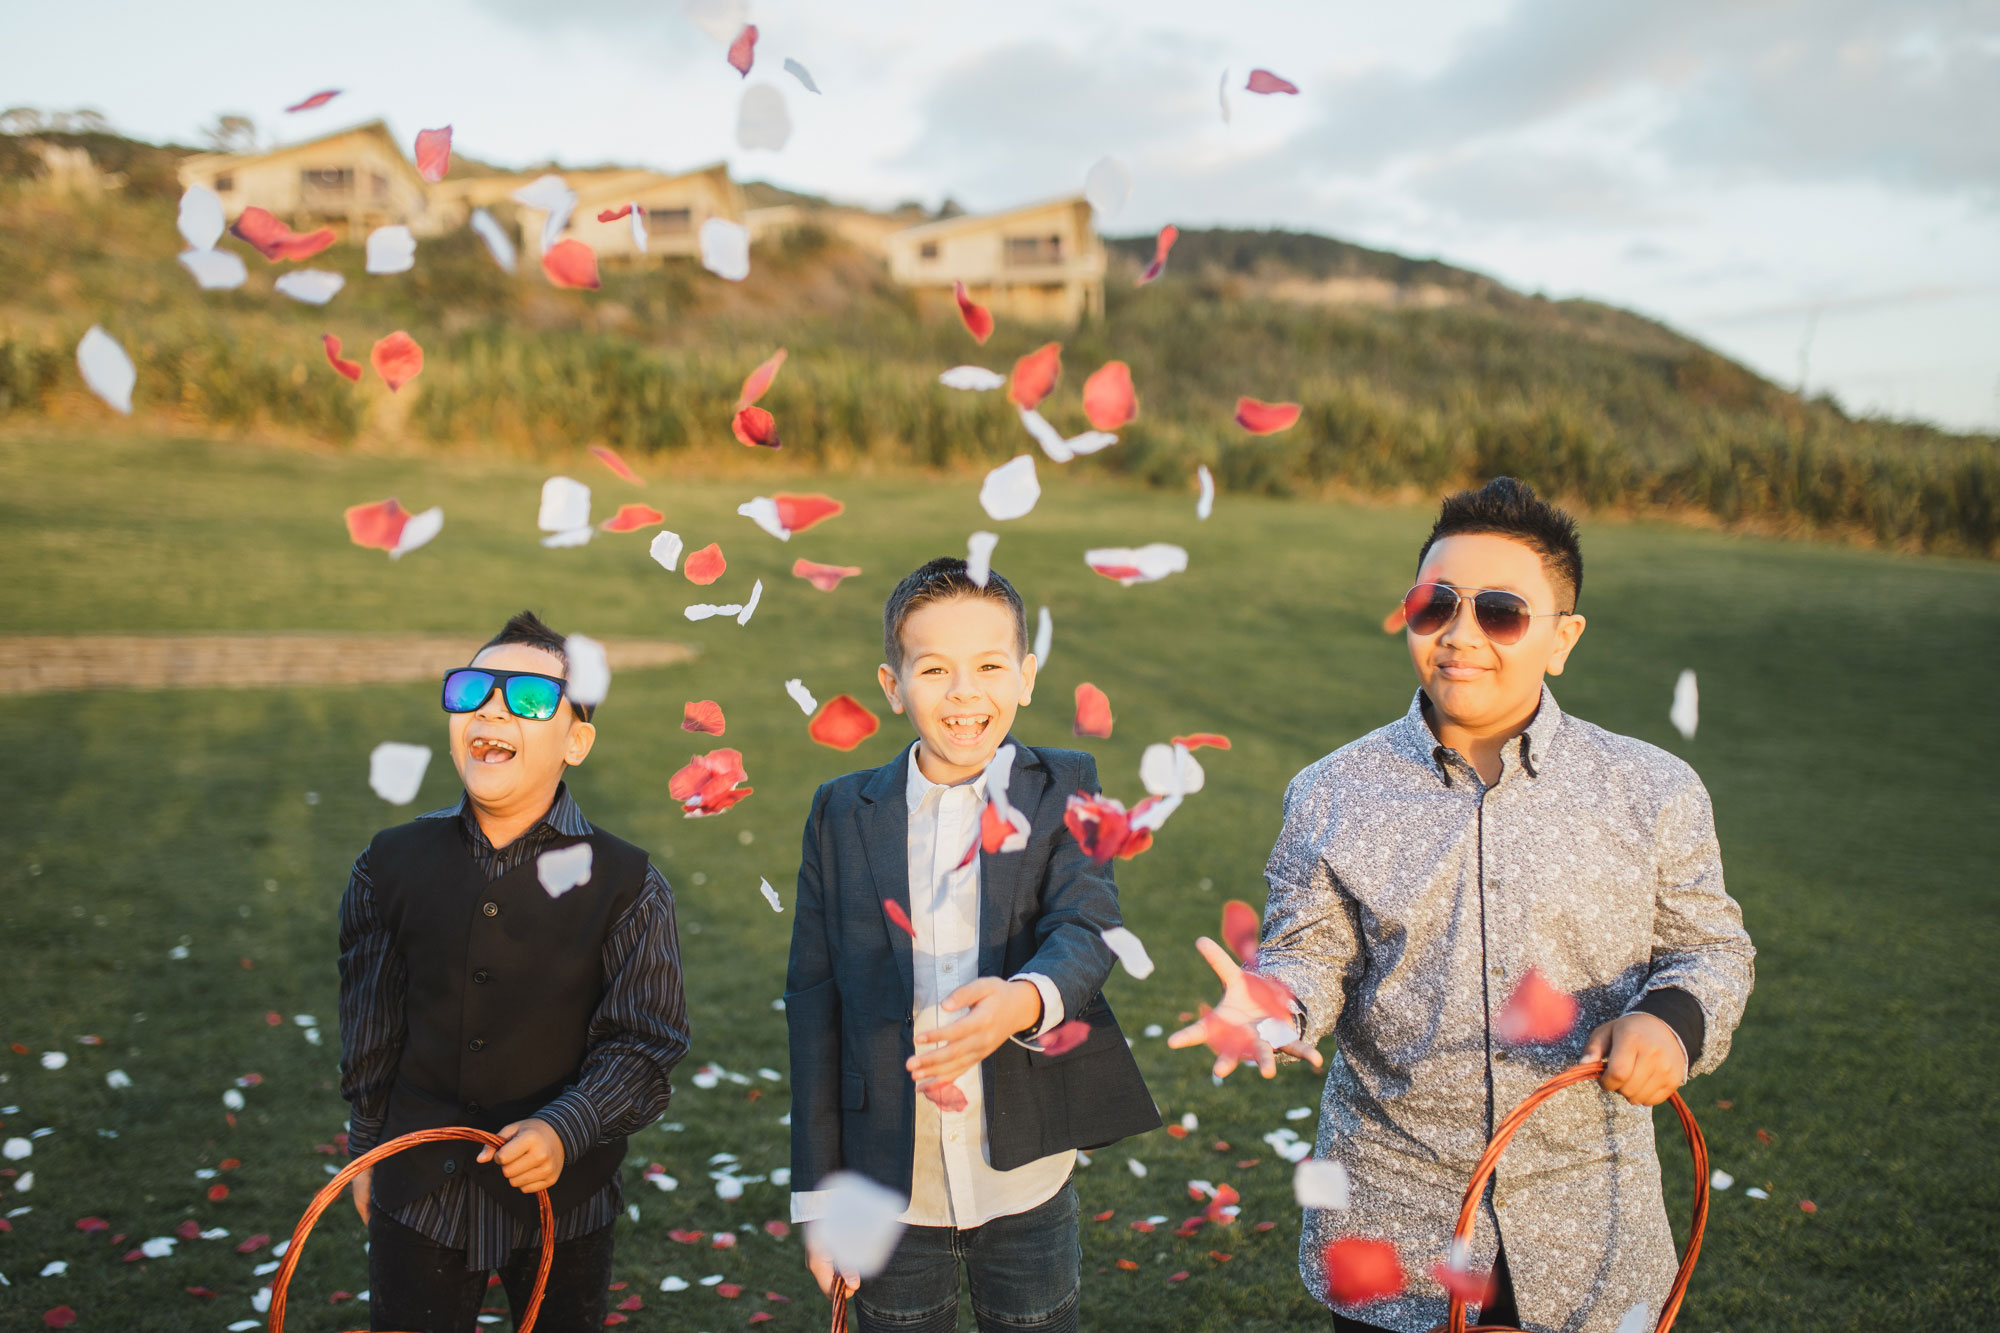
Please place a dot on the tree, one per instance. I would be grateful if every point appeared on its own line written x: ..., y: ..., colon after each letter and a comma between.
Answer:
x: 231, y: 133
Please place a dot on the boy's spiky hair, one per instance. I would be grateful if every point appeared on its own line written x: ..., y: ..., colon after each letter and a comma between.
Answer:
x: 525, y: 627
x: 941, y: 580
x: 1510, y: 508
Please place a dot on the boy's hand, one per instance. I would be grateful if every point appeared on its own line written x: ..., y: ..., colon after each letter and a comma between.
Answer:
x: 360, y: 1191
x: 532, y: 1156
x: 1237, y: 1007
x: 1643, y: 1058
x: 822, y: 1272
x: 997, y: 1010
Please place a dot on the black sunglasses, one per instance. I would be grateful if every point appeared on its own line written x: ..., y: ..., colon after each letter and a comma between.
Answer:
x: 1503, y: 616
x: 528, y: 694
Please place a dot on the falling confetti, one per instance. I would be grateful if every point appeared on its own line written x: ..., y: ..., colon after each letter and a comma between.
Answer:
x: 1204, y: 504
x: 665, y: 549
x: 771, y: 897
x: 1170, y: 770
x: 106, y: 369
x: 315, y: 101
x: 979, y: 556
x: 1108, y: 187
x: 801, y: 696
x: 397, y: 359
x: 898, y: 917
x: 391, y: 250
x: 1103, y: 828
x: 1045, y: 635
x: 705, y: 566
x: 1129, y: 565
x: 1319, y: 1183
x: 753, y: 427
x: 201, y: 221
x: 1131, y: 952
x: 1360, y: 1270
x: 609, y: 457
x: 571, y: 263
x: 704, y: 715
x: 1093, y: 712
x: 396, y: 770
x: 498, y: 243
x: 975, y: 379
x: 759, y: 380
x: 311, y: 286
x: 434, y: 153
x: 1108, y: 399
x: 1035, y: 375
x: 1260, y: 418
x: 1265, y: 82
x: 215, y: 270
x: 725, y: 249
x: 563, y: 868
x: 1161, y: 247
x: 1240, y: 929
x: 632, y: 517
x: 710, y: 783
x: 977, y: 318
x: 948, y: 1096
x: 589, y: 670
x: 274, y: 240
x: 1686, y: 711
x: 743, y: 51
x: 860, y: 1225
x: 1010, y: 490
x: 842, y: 723
x: 762, y: 122
x: 1059, y: 449
x: 799, y: 72
x: 824, y: 577
x: 1536, y: 1013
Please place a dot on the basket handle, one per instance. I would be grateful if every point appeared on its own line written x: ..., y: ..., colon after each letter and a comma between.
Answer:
x: 338, y: 1186
x: 1468, y: 1214
x: 839, y: 1305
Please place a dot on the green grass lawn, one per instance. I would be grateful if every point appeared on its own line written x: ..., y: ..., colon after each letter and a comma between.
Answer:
x: 1847, y: 721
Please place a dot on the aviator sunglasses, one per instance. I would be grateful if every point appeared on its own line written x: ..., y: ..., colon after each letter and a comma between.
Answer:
x: 1503, y: 616
x: 528, y: 694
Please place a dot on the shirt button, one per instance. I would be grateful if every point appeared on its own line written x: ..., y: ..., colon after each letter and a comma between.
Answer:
x: 473, y: 1108
x: 1499, y: 1057
x: 476, y: 1044
x: 481, y: 977
x: 1498, y: 971
x: 450, y: 1166
x: 491, y: 909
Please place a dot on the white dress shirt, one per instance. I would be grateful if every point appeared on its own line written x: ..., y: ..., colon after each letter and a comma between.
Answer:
x: 952, y: 1182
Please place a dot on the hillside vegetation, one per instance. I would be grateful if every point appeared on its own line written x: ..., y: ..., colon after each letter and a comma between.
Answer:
x: 1591, y: 403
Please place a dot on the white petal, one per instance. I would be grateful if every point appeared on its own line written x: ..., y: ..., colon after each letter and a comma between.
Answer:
x: 801, y: 73
x: 1204, y: 505
x: 1719, y: 1179
x: 117, y: 1078
x: 391, y: 250
x: 979, y: 555
x: 17, y: 1148
x: 558, y: 218
x: 314, y: 286
x: 802, y: 697
x: 761, y: 118
x: 54, y: 1059
x: 262, y: 1300
x: 106, y: 369
x: 705, y: 610
x: 1277, y: 1032
x: 215, y: 270
x: 563, y: 868
x: 244, y: 1325
x: 1108, y: 187
x: 1636, y: 1320
x: 1149, y: 563
x: 418, y: 530
x: 1299, y: 1113
x: 55, y: 1268
x: 763, y: 511
x: 1686, y: 712
x: 1138, y: 1168
x: 1090, y: 442
x: 860, y: 1226
x: 545, y: 193
x: 569, y: 537
x: 1754, y: 1193
x: 637, y: 217
x: 396, y: 770
x: 720, y: 19
x: 202, y: 220
x: 1222, y: 95
x: 589, y: 669
x: 232, y: 1099
x: 725, y: 249
x: 1318, y: 1183
x: 1131, y: 952
x: 750, y: 607
x: 770, y: 894
x: 671, y: 1283
x: 1155, y: 815
x: 1010, y: 490
x: 729, y: 1187
x: 565, y: 505
x: 1169, y: 770
x: 1045, y: 634
x: 666, y: 548
x: 978, y: 379
x: 498, y: 243
x: 159, y: 1247
x: 1052, y: 442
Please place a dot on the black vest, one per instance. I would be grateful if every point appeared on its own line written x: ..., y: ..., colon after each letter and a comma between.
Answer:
x: 503, y: 980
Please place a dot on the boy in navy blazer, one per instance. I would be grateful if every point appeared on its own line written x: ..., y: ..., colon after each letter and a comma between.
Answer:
x: 916, y: 1052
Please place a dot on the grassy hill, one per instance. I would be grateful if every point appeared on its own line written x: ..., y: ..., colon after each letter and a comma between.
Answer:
x: 1461, y: 380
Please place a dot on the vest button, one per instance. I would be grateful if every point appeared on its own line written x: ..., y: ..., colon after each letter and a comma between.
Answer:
x: 480, y: 977
x: 476, y: 1044
x: 491, y: 909
x: 450, y: 1166
x: 473, y: 1108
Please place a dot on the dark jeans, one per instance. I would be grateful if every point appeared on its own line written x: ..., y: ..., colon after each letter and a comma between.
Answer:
x: 1502, y: 1310
x: 1023, y: 1270
x: 416, y: 1285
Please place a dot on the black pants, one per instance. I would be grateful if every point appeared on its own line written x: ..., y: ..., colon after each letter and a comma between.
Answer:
x: 416, y: 1285
x: 1502, y: 1310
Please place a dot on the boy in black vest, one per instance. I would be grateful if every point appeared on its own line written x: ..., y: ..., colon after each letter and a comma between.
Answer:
x: 925, y: 971
x: 507, y: 965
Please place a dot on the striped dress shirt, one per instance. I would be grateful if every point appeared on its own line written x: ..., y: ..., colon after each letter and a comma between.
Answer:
x: 637, y: 1034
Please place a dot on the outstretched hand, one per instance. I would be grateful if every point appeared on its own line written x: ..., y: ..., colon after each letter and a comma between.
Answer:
x: 1237, y: 1007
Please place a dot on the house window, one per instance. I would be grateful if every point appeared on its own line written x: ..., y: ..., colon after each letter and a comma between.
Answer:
x: 1026, y: 251
x: 224, y: 184
x: 669, y: 221
x: 928, y: 250
x: 328, y: 180
x: 379, y: 183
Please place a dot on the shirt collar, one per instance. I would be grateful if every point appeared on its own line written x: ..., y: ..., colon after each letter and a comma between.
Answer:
x: 1530, y: 751
x: 563, y: 817
x: 918, y: 786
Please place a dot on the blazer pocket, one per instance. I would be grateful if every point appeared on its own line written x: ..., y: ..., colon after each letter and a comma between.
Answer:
x: 853, y: 1090
x: 1103, y: 1033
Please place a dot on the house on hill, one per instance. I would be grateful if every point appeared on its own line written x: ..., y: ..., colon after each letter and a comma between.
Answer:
x: 358, y: 177
x: 676, y: 206
x: 1041, y: 263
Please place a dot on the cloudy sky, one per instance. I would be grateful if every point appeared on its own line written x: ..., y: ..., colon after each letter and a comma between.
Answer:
x: 1812, y: 186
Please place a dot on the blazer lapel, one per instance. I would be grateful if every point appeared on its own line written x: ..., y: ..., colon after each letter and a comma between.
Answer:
x: 1000, y: 873
x: 885, y: 832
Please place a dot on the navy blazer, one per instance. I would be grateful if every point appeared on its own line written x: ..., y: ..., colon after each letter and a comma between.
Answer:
x: 848, y: 988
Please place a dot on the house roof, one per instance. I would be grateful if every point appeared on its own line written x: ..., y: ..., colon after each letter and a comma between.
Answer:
x: 375, y: 129
x: 981, y: 221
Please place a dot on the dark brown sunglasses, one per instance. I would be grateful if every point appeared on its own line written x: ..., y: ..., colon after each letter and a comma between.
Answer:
x: 1503, y: 616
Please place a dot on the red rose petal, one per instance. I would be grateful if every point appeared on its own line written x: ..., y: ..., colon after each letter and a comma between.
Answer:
x: 609, y: 457
x: 1272, y: 997
x: 824, y: 577
x: 758, y: 380
x: 188, y: 1229
x: 762, y: 1317
x: 842, y: 723
x: 201, y: 1293
x: 796, y: 513
x: 1808, y: 1206
x: 780, y: 1229
x: 1128, y: 1265
x: 315, y: 101
x: 1240, y: 928
x: 1536, y: 1013
x: 705, y: 566
x: 630, y: 518
x: 1360, y: 1270
x: 351, y: 369
x: 228, y: 1164
x: 978, y: 319
x: 216, y: 1194
x: 1395, y: 620
x: 1225, y: 1197
x: 613, y: 1318
x: 1264, y: 81
x: 1142, y: 1226
x: 755, y: 428
x: 680, y: 1237
x: 1108, y: 398
x: 1231, y: 1041
x: 1177, y: 1131
x: 717, y: 770
x: 434, y: 154
x: 898, y: 917
x: 1220, y: 1257
x: 274, y: 240
x: 1260, y: 418
x: 377, y: 527
x: 994, y: 829
x: 1093, y: 712
x: 743, y: 51
x: 1472, y: 1288
x: 1065, y: 1037
x: 703, y: 715
x: 17, y: 1048
x: 729, y: 1291
x: 397, y: 359
x: 1200, y: 738
x: 948, y: 1096
x: 613, y: 214
x: 60, y: 1317
x: 571, y: 263
x: 631, y: 1303
x: 253, y: 1244
x: 1168, y: 235
x: 1105, y: 1216
x: 1102, y: 828
x: 92, y: 1224
x: 1035, y: 375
